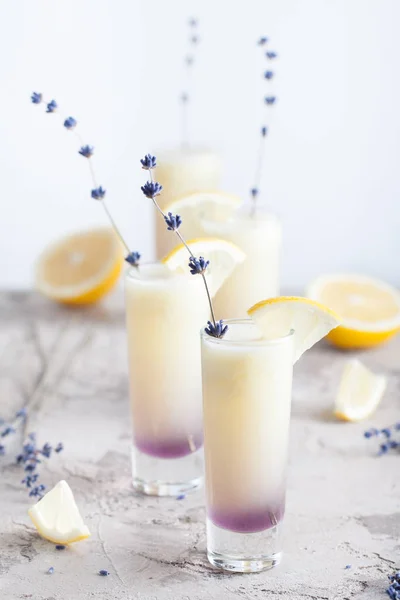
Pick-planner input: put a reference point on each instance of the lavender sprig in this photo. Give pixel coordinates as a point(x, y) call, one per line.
point(393, 591)
point(198, 266)
point(30, 456)
point(189, 61)
point(268, 101)
point(87, 151)
point(388, 437)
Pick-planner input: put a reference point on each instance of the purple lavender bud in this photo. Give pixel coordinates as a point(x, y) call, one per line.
point(151, 189)
point(98, 193)
point(270, 100)
point(51, 107)
point(264, 131)
point(50, 570)
point(262, 41)
point(7, 431)
point(218, 330)
point(198, 266)
point(59, 447)
point(173, 221)
point(271, 55)
point(60, 547)
point(148, 162)
point(21, 414)
point(36, 98)
point(194, 39)
point(46, 450)
point(103, 573)
point(268, 74)
point(86, 151)
point(133, 258)
point(193, 22)
point(70, 123)
point(254, 192)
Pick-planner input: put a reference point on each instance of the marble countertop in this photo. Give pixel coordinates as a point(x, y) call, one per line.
point(69, 368)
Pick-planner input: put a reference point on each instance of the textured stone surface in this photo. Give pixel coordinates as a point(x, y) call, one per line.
point(69, 368)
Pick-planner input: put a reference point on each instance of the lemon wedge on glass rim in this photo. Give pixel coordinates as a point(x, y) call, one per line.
point(57, 518)
point(223, 256)
point(309, 320)
point(80, 268)
point(369, 308)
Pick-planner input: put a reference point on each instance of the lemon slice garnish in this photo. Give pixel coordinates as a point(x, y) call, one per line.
point(223, 256)
point(309, 320)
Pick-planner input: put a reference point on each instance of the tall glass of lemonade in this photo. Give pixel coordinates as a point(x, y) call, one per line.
point(165, 310)
point(181, 172)
point(247, 384)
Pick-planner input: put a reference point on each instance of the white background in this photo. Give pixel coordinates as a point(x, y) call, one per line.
point(332, 165)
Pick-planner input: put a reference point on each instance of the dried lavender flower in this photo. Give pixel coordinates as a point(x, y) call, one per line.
point(70, 123)
point(36, 98)
point(148, 162)
point(86, 151)
point(151, 189)
point(98, 193)
point(51, 106)
point(198, 266)
point(103, 573)
point(133, 258)
point(173, 221)
point(268, 74)
point(217, 330)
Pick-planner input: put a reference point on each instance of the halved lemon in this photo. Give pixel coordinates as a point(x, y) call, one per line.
point(80, 268)
point(360, 392)
point(214, 206)
point(223, 256)
point(369, 309)
point(309, 320)
point(57, 518)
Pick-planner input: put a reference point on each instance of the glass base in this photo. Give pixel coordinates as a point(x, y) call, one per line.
point(166, 476)
point(243, 552)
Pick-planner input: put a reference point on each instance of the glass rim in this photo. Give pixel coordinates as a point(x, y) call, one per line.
point(261, 342)
point(265, 214)
point(133, 273)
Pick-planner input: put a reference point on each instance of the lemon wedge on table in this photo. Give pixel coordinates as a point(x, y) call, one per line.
point(216, 206)
point(309, 320)
point(360, 392)
point(57, 518)
point(80, 268)
point(223, 256)
point(369, 308)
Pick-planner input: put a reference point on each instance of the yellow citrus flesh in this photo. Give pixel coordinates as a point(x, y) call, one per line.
point(369, 309)
point(81, 268)
point(310, 321)
point(360, 392)
point(57, 518)
point(193, 208)
point(223, 256)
